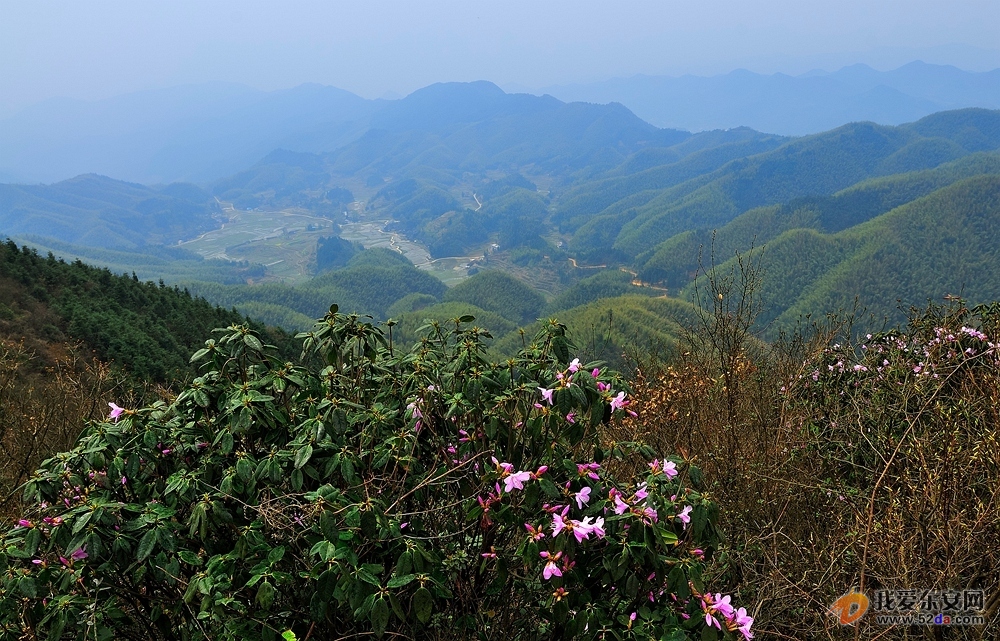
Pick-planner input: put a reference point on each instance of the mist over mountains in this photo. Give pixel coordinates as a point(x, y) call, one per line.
point(793, 105)
point(584, 209)
point(201, 133)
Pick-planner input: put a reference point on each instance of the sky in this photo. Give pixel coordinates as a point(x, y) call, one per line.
point(97, 49)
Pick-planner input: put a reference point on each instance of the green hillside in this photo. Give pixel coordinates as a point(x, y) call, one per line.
point(146, 328)
point(675, 260)
point(100, 212)
point(501, 294)
point(613, 329)
point(944, 244)
point(370, 283)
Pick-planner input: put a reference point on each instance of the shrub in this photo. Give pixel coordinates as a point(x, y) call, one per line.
point(427, 494)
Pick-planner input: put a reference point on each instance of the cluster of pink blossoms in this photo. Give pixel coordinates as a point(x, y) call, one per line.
point(736, 620)
point(565, 378)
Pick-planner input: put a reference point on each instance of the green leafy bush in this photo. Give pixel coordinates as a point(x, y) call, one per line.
point(427, 494)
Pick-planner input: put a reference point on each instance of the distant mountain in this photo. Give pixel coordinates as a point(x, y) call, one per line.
point(194, 133)
point(97, 211)
point(945, 243)
point(787, 105)
point(442, 133)
point(628, 217)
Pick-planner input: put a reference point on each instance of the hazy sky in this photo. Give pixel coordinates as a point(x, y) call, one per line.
point(98, 48)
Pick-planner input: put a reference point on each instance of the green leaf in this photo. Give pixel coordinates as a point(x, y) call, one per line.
point(288, 635)
point(265, 595)
point(26, 586)
point(422, 604)
point(303, 455)
point(404, 565)
point(275, 554)
point(697, 478)
point(82, 522)
point(328, 525)
point(31, 542)
point(400, 581)
point(189, 557)
point(369, 524)
point(632, 586)
point(55, 632)
point(397, 607)
point(380, 617)
point(146, 544)
point(253, 342)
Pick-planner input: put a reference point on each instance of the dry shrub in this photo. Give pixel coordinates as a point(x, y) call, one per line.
point(860, 478)
point(45, 401)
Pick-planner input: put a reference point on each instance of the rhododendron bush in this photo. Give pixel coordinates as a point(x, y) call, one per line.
point(369, 490)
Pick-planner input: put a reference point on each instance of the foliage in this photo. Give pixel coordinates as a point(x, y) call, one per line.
point(427, 494)
point(100, 212)
point(334, 251)
point(500, 293)
point(607, 283)
point(407, 331)
point(147, 328)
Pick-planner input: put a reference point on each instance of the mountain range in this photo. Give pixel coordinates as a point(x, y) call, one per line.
point(793, 105)
point(579, 210)
point(202, 133)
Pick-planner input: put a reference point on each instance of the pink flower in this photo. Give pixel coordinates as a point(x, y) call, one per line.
point(685, 515)
point(743, 621)
point(618, 402)
point(641, 493)
point(666, 467)
point(589, 470)
point(536, 534)
point(571, 418)
point(503, 469)
point(575, 365)
point(620, 506)
point(582, 497)
point(559, 524)
point(78, 554)
point(115, 411)
point(596, 528)
point(542, 469)
point(546, 394)
point(723, 606)
point(603, 387)
point(516, 480)
point(25, 523)
point(595, 373)
point(551, 568)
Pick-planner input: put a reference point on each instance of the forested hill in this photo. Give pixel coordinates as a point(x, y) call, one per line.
point(148, 329)
point(97, 211)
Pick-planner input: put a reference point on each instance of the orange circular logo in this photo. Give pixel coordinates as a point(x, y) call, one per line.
point(850, 607)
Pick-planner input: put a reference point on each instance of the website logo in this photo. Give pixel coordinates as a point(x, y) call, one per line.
point(912, 607)
point(850, 607)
